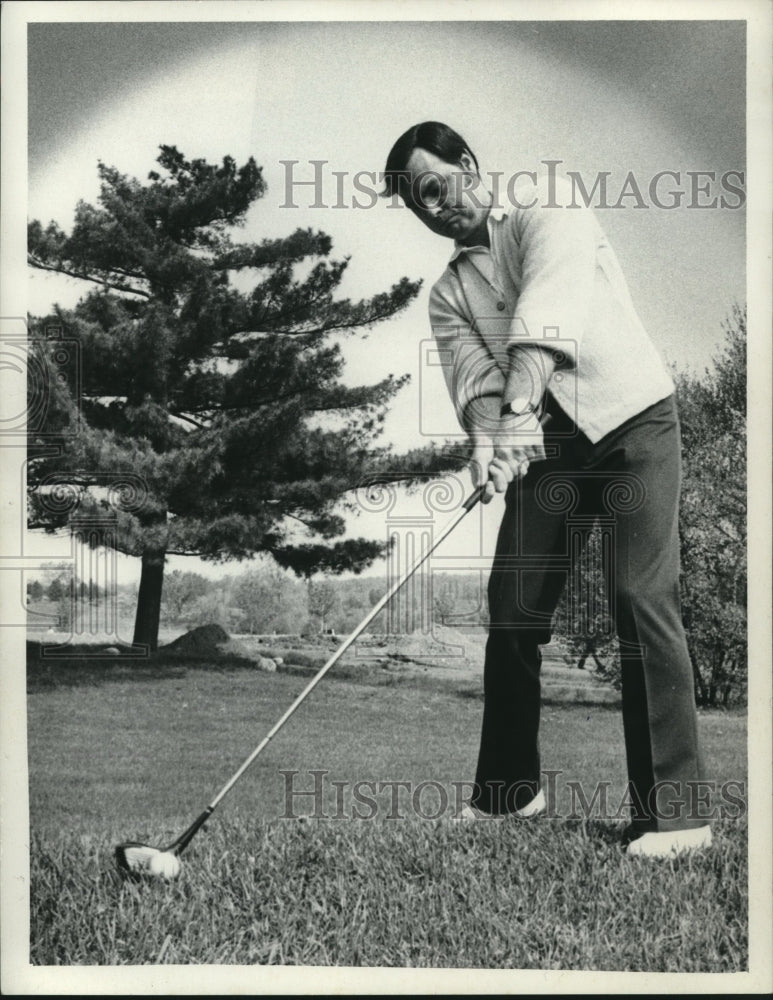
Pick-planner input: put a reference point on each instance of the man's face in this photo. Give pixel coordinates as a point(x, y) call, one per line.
point(449, 198)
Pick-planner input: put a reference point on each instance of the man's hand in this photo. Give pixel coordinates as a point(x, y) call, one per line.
point(504, 455)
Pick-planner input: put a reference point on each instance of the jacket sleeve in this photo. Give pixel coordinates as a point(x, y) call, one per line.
point(474, 379)
point(556, 250)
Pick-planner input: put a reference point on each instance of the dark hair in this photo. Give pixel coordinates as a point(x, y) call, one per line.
point(434, 137)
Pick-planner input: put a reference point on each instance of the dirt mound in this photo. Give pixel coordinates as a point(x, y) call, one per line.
point(212, 641)
point(457, 656)
point(443, 647)
point(204, 639)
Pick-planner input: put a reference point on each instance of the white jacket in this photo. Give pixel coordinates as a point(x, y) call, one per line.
point(550, 278)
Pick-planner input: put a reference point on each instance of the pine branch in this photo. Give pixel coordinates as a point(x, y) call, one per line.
point(296, 517)
point(190, 420)
point(59, 269)
point(338, 324)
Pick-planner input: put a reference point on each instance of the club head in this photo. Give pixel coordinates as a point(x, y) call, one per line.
point(135, 859)
point(138, 859)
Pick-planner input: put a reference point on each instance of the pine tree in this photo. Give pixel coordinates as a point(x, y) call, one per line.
point(222, 408)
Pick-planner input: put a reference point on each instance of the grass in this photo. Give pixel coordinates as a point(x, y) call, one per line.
point(118, 755)
point(538, 895)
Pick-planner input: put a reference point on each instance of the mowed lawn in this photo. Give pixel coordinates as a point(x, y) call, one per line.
point(114, 758)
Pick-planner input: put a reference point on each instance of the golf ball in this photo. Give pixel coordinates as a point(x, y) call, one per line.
point(164, 865)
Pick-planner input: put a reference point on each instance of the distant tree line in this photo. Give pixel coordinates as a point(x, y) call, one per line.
point(56, 594)
point(266, 599)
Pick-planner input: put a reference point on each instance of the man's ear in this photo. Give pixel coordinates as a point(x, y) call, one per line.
point(467, 162)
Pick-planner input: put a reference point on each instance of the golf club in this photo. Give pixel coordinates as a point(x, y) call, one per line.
point(137, 858)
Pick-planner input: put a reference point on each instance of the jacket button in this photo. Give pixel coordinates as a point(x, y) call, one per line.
point(500, 306)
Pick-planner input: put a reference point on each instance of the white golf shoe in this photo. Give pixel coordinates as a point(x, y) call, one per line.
point(533, 808)
point(670, 843)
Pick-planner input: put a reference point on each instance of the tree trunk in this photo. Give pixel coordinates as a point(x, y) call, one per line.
point(590, 650)
point(149, 600)
point(701, 695)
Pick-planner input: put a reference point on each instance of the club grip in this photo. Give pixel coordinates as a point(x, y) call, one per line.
point(474, 497)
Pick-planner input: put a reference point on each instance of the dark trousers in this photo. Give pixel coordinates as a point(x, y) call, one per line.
point(630, 480)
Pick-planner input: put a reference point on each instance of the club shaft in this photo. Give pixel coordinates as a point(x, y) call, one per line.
point(374, 611)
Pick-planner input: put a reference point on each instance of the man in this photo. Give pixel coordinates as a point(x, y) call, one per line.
point(570, 413)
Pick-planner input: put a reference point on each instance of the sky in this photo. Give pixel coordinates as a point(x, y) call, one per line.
point(607, 96)
point(628, 96)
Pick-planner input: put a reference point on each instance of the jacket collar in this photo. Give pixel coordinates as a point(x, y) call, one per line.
point(495, 217)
